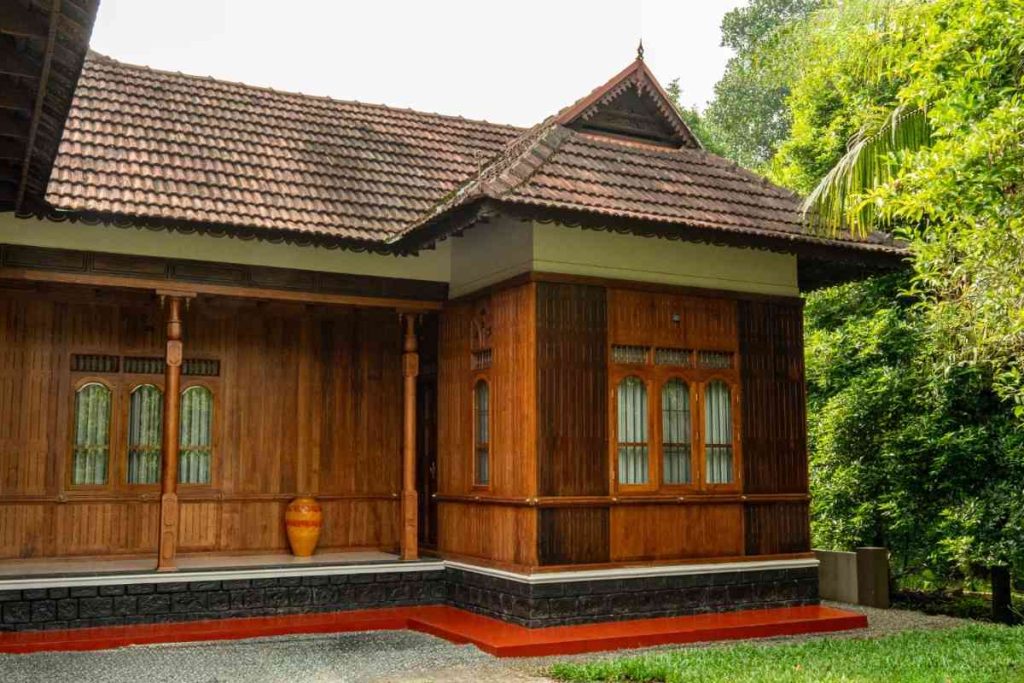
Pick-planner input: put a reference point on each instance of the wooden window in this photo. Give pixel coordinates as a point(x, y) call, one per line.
point(718, 429)
point(676, 427)
point(481, 433)
point(633, 448)
point(145, 434)
point(91, 459)
point(196, 445)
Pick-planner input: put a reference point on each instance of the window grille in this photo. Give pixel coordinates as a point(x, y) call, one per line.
point(718, 432)
point(481, 360)
point(144, 365)
point(714, 360)
point(482, 436)
point(93, 362)
point(196, 444)
point(200, 367)
point(629, 355)
point(145, 434)
point(681, 358)
point(675, 432)
point(632, 433)
point(92, 434)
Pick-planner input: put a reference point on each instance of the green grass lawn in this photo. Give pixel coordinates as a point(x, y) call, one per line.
point(984, 653)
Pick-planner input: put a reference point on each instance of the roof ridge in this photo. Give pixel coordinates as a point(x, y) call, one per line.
point(97, 56)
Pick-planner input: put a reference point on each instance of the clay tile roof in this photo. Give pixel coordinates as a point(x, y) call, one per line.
point(148, 145)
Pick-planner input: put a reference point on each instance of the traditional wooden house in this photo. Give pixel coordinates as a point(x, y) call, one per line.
point(551, 375)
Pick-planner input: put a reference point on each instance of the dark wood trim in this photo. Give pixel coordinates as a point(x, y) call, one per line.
point(624, 499)
point(43, 264)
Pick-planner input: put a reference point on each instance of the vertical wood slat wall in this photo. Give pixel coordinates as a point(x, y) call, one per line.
point(308, 400)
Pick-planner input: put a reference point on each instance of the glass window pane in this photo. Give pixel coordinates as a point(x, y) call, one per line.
point(675, 432)
point(482, 428)
point(92, 435)
point(632, 431)
point(718, 432)
point(196, 444)
point(145, 434)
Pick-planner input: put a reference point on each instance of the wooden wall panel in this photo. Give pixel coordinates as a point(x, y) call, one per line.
point(773, 396)
point(664, 532)
point(503, 322)
point(572, 390)
point(501, 534)
point(645, 318)
point(308, 401)
point(573, 535)
point(775, 528)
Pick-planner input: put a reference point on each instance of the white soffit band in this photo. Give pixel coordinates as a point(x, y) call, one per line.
point(120, 579)
point(189, 576)
point(637, 572)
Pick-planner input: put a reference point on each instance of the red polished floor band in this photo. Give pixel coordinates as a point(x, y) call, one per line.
point(496, 637)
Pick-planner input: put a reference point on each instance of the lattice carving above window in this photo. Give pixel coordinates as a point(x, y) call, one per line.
point(680, 358)
point(481, 360)
point(630, 355)
point(94, 362)
point(714, 360)
point(144, 365)
point(201, 367)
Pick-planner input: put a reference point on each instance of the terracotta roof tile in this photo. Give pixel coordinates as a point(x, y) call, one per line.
point(148, 144)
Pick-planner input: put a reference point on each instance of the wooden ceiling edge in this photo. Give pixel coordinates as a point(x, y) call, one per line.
point(41, 92)
point(161, 286)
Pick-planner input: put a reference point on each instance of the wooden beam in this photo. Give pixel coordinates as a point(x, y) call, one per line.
point(18, 20)
point(37, 112)
point(16, 63)
point(171, 437)
point(410, 500)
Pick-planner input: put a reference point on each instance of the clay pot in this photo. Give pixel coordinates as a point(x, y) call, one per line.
point(303, 519)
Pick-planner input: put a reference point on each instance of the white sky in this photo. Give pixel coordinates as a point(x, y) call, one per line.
point(515, 61)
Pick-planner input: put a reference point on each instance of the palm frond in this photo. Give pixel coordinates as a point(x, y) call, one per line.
point(871, 160)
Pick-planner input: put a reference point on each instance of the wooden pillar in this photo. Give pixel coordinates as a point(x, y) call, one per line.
point(171, 437)
point(410, 369)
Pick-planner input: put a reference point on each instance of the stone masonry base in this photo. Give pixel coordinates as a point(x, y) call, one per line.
point(528, 604)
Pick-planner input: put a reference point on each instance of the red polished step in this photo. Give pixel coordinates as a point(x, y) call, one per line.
point(459, 626)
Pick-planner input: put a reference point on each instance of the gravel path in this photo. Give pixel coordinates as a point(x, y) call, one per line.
point(356, 657)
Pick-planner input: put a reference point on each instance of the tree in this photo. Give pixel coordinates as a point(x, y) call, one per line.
point(908, 115)
point(748, 115)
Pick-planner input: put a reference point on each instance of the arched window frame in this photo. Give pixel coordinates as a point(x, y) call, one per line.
point(111, 435)
point(653, 466)
point(214, 423)
point(730, 380)
point(691, 392)
point(128, 436)
point(477, 444)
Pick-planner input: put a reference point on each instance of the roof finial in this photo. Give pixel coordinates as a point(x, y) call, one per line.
point(640, 50)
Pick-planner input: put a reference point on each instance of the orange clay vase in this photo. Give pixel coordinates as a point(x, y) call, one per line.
point(303, 519)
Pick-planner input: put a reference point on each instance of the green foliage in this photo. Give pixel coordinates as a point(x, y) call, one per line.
point(927, 463)
point(748, 116)
point(695, 121)
point(982, 654)
point(910, 114)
